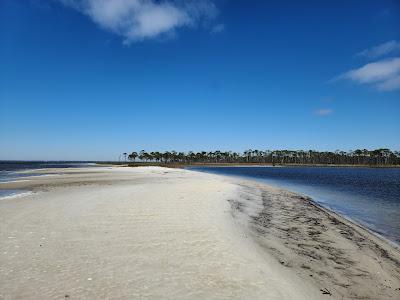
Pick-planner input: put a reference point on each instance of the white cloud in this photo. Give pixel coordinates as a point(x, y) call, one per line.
point(384, 74)
point(375, 71)
point(324, 112)
point(381, 50)
point(137, 20)
point(390, 84)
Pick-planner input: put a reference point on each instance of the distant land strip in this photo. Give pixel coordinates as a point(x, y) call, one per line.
point(374, 158)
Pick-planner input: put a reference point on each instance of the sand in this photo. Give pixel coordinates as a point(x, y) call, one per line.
point(157, 233)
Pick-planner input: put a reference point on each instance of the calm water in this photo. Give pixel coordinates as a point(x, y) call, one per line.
point(15, 171)
point(370, 196)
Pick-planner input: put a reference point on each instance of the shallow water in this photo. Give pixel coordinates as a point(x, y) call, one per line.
point(370, 196)
point(9, 193)
point(15, 171)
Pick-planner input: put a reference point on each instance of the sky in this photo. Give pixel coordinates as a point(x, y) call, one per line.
point(91, 79)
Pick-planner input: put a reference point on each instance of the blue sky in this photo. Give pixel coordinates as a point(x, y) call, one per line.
point(89, 79)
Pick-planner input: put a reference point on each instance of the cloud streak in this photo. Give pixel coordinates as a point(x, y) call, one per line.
point(137, 20)
point(384, 74)
point(323, 112)
point(381, 50)
point(218, 28)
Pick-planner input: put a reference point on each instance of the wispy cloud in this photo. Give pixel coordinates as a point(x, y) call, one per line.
point(323, 112)
point(381, 50)
point(384, 74)
point(137, 20)
point(390, 84)
point(218, 28)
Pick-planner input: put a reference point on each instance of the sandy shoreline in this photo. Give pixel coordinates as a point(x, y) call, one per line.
point(175, 234)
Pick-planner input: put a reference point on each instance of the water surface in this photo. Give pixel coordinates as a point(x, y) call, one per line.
point(11, 171)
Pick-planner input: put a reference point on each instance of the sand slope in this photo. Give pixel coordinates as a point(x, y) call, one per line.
point(341, 258)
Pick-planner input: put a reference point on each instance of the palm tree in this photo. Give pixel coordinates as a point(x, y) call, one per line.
point(166, 156)
point(132, 156)
point(247, 154)
point(143, 155)
point(157, 156)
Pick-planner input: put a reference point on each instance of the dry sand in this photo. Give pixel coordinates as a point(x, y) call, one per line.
point(157, 233)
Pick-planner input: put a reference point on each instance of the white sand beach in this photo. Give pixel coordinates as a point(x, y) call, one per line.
point(158, 233)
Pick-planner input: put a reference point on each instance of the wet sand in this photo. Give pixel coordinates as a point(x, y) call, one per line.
point(341, 258)
point(151, 233)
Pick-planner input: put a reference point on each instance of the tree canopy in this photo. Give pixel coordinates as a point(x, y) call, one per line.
point(356, 157)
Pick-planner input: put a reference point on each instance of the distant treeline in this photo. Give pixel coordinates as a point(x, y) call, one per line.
point(301, 157)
